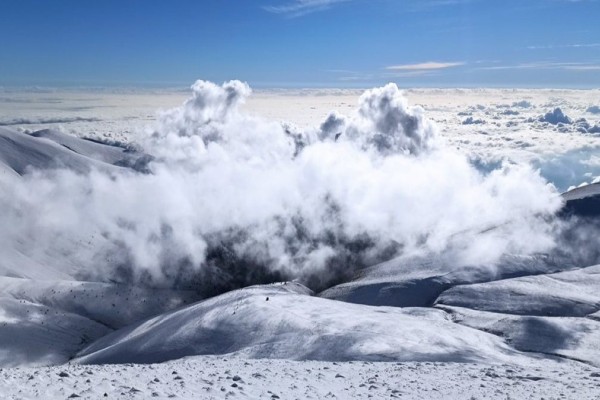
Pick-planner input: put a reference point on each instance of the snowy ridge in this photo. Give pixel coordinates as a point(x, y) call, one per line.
point(582, 192)
point(53, 149)
point(418, 281)
point(583, 200)
point(283, 321)
point(566, 337)
point(564, 294)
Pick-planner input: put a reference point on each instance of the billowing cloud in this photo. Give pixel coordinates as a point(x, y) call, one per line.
point(555, 117)
point(231, 199)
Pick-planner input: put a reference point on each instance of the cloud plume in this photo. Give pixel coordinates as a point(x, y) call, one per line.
point(231, 199)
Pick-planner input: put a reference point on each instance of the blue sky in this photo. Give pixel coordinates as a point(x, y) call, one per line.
point(301, 43)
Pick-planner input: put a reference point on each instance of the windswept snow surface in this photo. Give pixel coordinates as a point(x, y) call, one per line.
point(218, 377)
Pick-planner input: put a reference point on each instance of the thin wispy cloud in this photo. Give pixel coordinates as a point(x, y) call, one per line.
point(564, 46)
point(569, 66)
point(425, 5)
point(298, 8)
point(409, 74)
point(426, 66)
point(396, 71)
point(583, 67)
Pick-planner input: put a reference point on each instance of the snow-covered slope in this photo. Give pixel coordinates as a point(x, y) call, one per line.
point(584, 200)
point(110, 304)
point(284, 321)
point(568, 294)
point(417, 282)
point(110, 154)
point(14, 263)
point(582, 192)
point(32, 334)
point(20, 151)
point(568, 337)
point(48, 322)
point(51, 149)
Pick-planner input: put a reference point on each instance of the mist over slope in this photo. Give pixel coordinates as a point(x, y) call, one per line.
point(228, 199)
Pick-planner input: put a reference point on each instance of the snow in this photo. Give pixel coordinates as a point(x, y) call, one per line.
point(418, 281)
point(113, 305)
point(567, 337)
point(34, 335)
point(19, 151)
point(583, 200)
point(568, 294)
point(283, 321)
point(52, 149)
point(114, 154)
point(582, 192)
point(48, 322)
point(215, 377)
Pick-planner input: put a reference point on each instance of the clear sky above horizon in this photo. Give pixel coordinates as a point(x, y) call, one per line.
point(301, 43)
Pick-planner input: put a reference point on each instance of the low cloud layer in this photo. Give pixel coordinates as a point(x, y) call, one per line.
point(38, 121)
point(231, 199)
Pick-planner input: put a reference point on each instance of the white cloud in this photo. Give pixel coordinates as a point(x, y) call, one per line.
point(426, 66)
point(256, 197)
point(564, 46)
point(571, 66)
point(299, 8)
point(583, 67)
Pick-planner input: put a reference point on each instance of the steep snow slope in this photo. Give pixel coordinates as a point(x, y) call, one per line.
point(112, 305)
point(568, 294)
point(48, 322)
point(32, 334)
point(283, 321)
